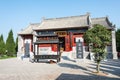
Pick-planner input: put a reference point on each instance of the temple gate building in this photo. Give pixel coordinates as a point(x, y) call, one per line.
point(68, 31)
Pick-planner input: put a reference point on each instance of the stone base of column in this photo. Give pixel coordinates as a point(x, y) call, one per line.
point(115, 55)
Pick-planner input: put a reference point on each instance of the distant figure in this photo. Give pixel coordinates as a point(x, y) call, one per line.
point(22, 56)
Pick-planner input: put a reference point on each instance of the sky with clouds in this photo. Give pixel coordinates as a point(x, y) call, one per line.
point(18, 14)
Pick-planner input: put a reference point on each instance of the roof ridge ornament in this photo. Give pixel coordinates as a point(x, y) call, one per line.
point(43, 18)
point(107, 16)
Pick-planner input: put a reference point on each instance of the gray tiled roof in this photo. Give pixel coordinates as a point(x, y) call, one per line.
point(102, 21)
point(29, 29)
point(65, 22)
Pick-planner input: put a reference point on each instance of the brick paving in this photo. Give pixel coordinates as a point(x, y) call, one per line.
point(15, 69)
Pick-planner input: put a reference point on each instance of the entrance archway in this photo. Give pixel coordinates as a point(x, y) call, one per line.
point(62, 43)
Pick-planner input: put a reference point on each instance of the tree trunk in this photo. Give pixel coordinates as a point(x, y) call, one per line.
point(98, 67)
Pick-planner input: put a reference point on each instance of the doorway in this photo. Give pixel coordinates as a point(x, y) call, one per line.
point(62, 43)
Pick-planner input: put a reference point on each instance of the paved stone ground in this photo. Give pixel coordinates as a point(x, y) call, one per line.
point(14, 69)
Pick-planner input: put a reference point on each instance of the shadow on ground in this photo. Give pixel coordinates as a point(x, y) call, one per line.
point(72, 66)
point(111, 66)
point(65, 76)
point(66, 58)
point(115, 63)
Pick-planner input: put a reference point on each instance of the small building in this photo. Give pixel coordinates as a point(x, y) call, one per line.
point(68, 30)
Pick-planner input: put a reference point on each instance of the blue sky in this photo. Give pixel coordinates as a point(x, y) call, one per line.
point(17, 14)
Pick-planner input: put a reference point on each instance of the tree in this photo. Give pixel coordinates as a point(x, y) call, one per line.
point(10, 44)
point(118, 40)
point(2, 45)
point(16, 45)
point(99, 37)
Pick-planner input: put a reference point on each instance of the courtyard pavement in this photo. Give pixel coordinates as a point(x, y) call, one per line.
point(15, 69)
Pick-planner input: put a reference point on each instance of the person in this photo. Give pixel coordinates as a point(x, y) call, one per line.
point(22, 56)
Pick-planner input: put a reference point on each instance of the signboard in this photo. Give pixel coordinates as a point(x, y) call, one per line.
point(44, 50)
point(27, 49)
point(61, 33)
point(79, 50)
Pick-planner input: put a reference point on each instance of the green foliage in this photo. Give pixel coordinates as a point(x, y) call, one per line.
point(10, 44)
point(16, 45)
point(118, 40)
point(2, 46)
point(99, 37)
point(6, 57)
